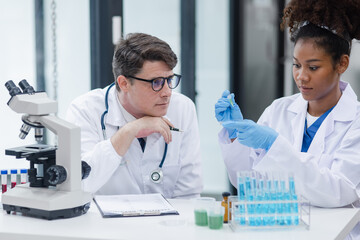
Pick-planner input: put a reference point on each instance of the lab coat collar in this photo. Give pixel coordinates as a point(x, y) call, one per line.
point(299, 108)
point(115, 116)
point(118, 116)
point(345, 110)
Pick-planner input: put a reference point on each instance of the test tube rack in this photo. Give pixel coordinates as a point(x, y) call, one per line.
point(267, 200)
point(278, 214)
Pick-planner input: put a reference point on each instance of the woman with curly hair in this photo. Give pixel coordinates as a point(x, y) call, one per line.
point(314, 134)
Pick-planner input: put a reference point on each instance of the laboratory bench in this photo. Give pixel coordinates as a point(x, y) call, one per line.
point(325, 224)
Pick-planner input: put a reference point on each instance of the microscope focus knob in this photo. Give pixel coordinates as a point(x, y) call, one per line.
point(85, 170)
point(56, 174)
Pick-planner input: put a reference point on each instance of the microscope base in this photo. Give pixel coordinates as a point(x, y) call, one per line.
point(45, 202)
point(49, 215)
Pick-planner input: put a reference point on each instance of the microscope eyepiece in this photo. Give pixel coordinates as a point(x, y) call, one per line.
point(12, 88)
point(26, 87)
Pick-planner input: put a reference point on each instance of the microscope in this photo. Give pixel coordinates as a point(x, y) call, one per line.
point(54, 188)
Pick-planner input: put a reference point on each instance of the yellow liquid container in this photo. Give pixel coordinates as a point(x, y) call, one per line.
point(225, 204)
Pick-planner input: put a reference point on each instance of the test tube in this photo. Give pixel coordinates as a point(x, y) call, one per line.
point(230, 100)
point(13, 177)
point(23, 176)
point(287, 200)
point(4, 180)
point(240, 209)
point(251, 198)
point(291, 184)
point(280, 206)
point(293, 197)
point(259, 197)
point(266, 196)
point(241, 185)
point(272, 186)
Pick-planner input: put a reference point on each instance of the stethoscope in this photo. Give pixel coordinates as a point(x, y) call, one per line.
point(156, 175)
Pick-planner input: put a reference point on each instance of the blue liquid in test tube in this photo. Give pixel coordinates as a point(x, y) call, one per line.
point(259, 199)
point(293, 196)
point(295, 210)
point(248, 199)
point(288, 212)
point(272, 198)
point(240, 210)
point(281, 204)
point(266, 200)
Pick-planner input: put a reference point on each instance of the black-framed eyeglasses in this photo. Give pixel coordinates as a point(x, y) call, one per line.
point(158, 83)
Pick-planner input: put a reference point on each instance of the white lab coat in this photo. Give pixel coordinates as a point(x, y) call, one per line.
point(130, 174)
point(328, 175)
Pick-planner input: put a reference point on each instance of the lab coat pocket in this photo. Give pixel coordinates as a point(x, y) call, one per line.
point(171, 175)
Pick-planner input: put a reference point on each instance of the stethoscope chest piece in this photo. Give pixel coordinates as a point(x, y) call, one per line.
point(156, 176)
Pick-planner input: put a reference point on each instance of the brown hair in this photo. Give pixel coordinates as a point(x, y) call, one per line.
point(131, 53)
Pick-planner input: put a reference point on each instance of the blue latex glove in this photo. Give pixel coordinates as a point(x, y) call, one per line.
point(252, 134)
point(227, 110)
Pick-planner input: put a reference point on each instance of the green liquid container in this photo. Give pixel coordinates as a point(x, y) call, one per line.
point(216, 221)
point(201, 218)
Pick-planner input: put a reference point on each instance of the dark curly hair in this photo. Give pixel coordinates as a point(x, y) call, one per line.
point(331, 23)
point(131, 53)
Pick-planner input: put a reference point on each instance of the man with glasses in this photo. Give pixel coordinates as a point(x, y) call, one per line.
point(127, 131)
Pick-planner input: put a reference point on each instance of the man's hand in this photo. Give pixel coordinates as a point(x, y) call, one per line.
point(140, 128)
point(149, 125)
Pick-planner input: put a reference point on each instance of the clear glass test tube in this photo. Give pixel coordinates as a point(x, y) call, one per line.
point(23, 176)
point(13, 177)
point(4, 180)
point(241, 185)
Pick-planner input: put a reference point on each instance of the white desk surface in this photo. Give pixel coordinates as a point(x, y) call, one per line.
point(325, 224)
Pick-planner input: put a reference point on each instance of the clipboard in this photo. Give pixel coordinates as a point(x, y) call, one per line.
point(133, 205)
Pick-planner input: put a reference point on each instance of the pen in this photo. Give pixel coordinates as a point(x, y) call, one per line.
point(175, 129)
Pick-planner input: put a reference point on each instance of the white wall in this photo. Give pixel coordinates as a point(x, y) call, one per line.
point(17, 61)
point(212, 78)
point(160, 18)
point(73, 52)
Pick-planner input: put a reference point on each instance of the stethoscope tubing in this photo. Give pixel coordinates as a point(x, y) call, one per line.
point(106, 111)
point(103, 127)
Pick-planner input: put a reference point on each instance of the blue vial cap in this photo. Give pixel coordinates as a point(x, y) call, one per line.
point(23, 171)
point(4, 171)
point(13, 171)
